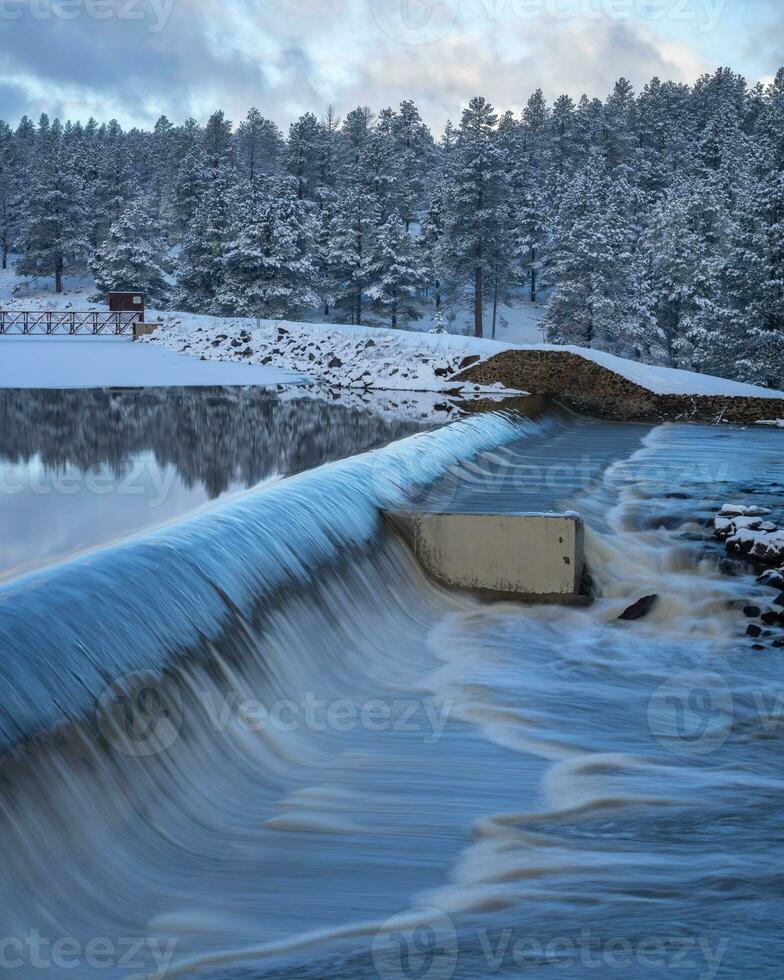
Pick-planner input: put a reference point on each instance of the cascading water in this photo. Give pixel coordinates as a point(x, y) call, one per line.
point(261, 743)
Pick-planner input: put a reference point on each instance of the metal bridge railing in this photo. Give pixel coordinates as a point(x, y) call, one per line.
point(66, 322)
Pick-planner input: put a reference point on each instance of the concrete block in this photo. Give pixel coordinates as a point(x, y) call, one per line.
point(141, 328)
point(537, 557)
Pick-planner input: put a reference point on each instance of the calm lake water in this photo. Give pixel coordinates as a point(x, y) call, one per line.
point(83, 468)
point(282, 752)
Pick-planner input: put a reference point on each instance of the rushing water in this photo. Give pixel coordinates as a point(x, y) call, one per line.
point(307, 760)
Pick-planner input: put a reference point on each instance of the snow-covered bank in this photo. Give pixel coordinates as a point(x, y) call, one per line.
point(399, 360)
point(117, 362)
point(339, 356)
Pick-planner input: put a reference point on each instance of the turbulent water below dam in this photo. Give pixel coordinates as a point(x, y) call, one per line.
point(257, 742)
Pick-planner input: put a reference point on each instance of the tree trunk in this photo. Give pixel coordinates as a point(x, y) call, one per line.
point(533, 275)
point(58, 276)
point(478, 329)
point(495, 302)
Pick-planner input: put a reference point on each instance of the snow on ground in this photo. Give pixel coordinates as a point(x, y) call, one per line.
point(396, 360)
point(20, 293)
point(118, 362)
point(380, 358)
point(340, 356)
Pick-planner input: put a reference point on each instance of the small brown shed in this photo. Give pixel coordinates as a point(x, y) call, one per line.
point(127, 303)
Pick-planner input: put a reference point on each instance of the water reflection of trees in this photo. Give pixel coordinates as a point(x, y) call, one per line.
point(213, 437)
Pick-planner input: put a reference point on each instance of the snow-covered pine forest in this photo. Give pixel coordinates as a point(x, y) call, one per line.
point(651, 223)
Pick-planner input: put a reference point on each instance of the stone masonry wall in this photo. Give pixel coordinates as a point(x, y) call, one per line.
point(590, 388)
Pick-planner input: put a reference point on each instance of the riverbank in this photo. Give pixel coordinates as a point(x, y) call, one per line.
point(375, 359)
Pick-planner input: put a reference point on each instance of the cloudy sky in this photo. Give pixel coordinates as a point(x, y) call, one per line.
point(137, 59)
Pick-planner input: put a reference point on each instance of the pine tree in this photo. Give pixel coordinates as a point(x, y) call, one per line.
point(413, 154)
point(268, 266)
point(115, 184)
point(473, 199)
point(54, 234)
point(200, 269)
point(349, 254)
point(132, 258)
point(305, 155)
point(10, 179)
point(394, 276)
point(259, 146)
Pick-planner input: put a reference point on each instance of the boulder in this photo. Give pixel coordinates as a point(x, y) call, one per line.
point(639, 609)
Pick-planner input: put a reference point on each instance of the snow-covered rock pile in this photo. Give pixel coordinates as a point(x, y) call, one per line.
point(747, 534)
point(340, 357)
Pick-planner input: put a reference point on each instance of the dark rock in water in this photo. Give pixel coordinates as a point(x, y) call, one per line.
point(753, 630)
point(774, 578)
point(779, 600)
point(758, 646)
point(752, 611)
point(769, 618)
point(728, 566)
point(640, 609)
point(779, 642)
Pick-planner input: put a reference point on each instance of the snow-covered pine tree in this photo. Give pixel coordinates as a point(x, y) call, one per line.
point(474, 193)
point(132, 257)
point(305, 155)
point(580, 252)
point(428, 245)
point(54, 233)
point(200, 266)
point(751, 342)
point(268, 265)
point(188, 189)
point(394, 276)
point(259, 146)
point(349, 251)
point(218, 142)
point(413, 154)
point(10, 178)
point(115, 182)
point(439, 323)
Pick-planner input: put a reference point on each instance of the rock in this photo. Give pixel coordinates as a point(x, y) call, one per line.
point(468, 361)
point(739, 510)
point(779, 643)
point(773, 577)
point(335, 362)
point(752, 611)
point(728, 566)
point(752, 630)
point(639, 609)
point(441, 372)
point(779, 600)
point(769, 618)
point(758, 646)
